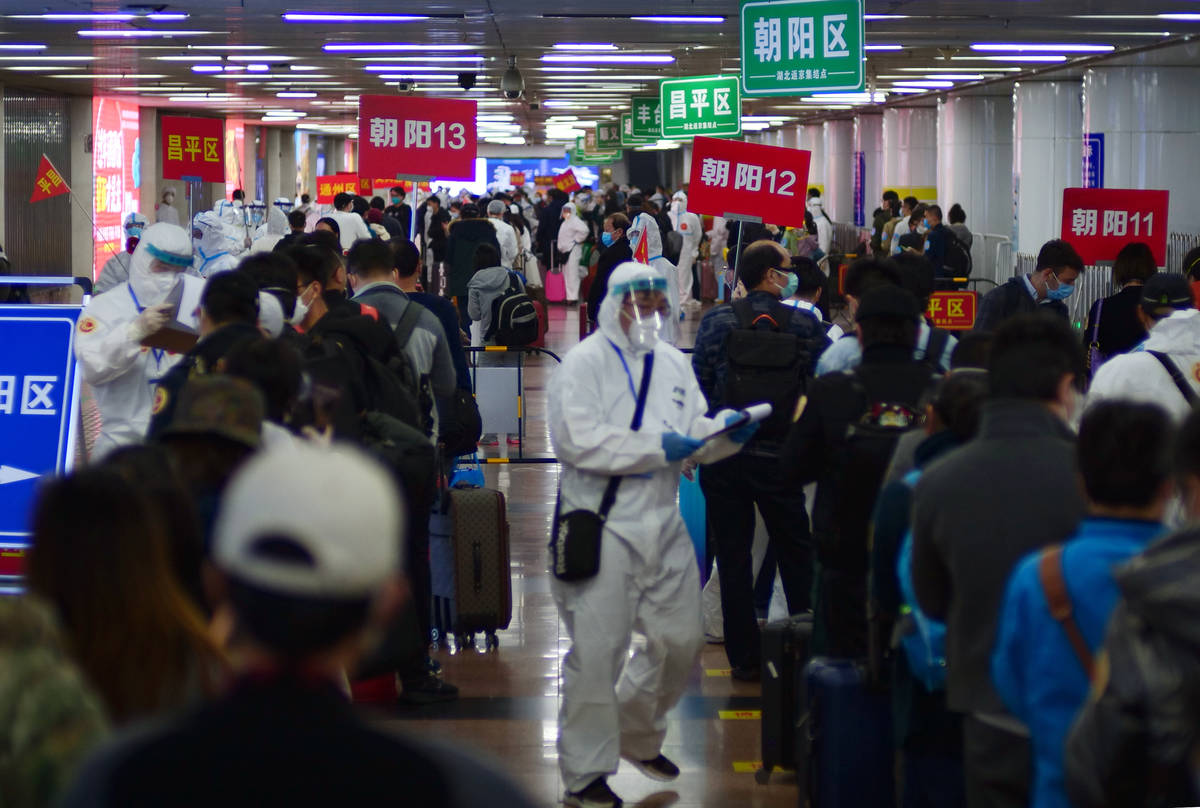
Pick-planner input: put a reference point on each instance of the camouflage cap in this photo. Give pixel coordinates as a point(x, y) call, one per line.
point(1165, 292)
point(219, 405)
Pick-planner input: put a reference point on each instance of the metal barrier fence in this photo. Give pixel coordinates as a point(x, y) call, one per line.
point(991, 257)
point(1096, 281)
point(847, 238)
point(519, 403)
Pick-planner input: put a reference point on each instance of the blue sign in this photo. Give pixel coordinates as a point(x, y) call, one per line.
point(499, 169)
point(1093, 160)
point(39, 385)
point(860, 189)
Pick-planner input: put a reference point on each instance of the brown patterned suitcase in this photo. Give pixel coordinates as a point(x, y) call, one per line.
point(482, 580)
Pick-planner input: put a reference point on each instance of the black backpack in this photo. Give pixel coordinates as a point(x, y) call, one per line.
point(767, 364)
point(514, 318)
point(957, 258)
point(673, 246)
point(374, 385)
point(406, 371)
point(862, 462)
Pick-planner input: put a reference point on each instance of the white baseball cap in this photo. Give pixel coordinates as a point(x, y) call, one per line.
point(338, 505)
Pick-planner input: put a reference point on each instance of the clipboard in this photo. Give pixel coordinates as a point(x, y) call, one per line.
point(750, 415)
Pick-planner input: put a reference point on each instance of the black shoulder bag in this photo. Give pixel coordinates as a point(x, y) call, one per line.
point(575, 541)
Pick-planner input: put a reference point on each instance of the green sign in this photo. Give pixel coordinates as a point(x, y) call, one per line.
point(627, 138)
point(801, 46)
point(608, 135)
point(647, 117)
point(703, 105)
point(583, 155)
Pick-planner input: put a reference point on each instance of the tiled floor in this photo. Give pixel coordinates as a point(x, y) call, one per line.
point(509, 699)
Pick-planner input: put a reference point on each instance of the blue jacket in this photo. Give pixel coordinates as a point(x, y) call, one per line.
point(1034, 667)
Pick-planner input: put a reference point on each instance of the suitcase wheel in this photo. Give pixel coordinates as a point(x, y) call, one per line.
point(491, 641)
point(464, 642)
point(762, 776)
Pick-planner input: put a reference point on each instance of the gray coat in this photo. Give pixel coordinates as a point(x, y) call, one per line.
point(976, 513)
point(427, 348)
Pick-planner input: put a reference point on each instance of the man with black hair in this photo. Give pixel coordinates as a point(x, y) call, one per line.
point(275, 274)
point(486, 286)
point(399, 210)
point(390, 224)
point(308, 576)
point(371, 270)
point(734, 487)
point(876, 402)
point(1042, 663)
point(1164, 370)
point(407, 261)
point(911, 272)
point(978, 512)
point(810, 283)
point(297, 222)
point(888, 209)
point(351, 226)
point(1045, 289)
point(900, 228)
point(228, 317)
point(936, 235)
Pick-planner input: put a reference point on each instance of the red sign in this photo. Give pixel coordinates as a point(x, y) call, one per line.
point(953, 311)
point(416, 137)
point(235, 155)
point(48, 182)
point(566, 181)
point(1098, 222)
point(543, 181)
point(191, 147)
point(330, 186)
point(730, 177)
point(115, 131)
point(517, 178)
point(12, 561)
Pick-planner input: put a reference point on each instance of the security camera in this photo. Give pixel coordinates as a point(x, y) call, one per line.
point(405, 86)
point(535, 105)
point(466, 80)
point(511, 83)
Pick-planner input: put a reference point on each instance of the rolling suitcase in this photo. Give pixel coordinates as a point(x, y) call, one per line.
point(851, 736)
point(708, 280)
point(556, 287)
point(543, 325)
point(480, 564)
point(785, 651)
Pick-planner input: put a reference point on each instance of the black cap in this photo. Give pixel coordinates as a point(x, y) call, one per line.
point(1166, 290)
point(888, 300)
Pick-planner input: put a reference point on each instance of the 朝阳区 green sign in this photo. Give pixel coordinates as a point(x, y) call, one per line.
point(801, 46)
point(647, 117)
point(702, 105)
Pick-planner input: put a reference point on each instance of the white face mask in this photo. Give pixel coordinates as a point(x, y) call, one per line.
point(300, 312)
point(163, 283)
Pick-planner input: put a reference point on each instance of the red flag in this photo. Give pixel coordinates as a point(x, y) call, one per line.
point(641, 253)
point(48, 182)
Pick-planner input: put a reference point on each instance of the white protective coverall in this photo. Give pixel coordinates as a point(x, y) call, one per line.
point(215, 247)
point(116, 268)
point(1138, 376)
point(122, 372)
point(816, 206)
point(165, 211)
point(645, 225)
point(690, 227)
point(507, 238)
point(236, 216)
point(270, 232)
point(571, 234)
point(614, 704)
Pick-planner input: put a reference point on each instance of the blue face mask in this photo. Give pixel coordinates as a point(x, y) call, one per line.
point(133, 232)
point(606, 239)
point(1063, 291)
point(792, 283)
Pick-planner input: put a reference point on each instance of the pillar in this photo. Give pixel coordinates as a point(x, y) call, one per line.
point(1151, 132)
point(79, 110)
point(334, 154)
point(910, 149)
point(789, 137)
point(839, 170)
point(151, 145)
point(975, 169)
point(288, 166)
point(1047, 149)
point(868, 166)
point(271, 164)
point(812, 138)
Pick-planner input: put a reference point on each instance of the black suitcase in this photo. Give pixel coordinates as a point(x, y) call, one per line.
point(785, 651)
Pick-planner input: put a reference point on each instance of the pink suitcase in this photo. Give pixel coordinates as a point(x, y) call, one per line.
point(556, 287)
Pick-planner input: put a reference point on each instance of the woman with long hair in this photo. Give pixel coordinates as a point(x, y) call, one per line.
point(100, 557)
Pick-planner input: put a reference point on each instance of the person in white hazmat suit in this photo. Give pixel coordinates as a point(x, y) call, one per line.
point(165, 211)
point(116, 268)
point(270, 232)
point(614, 705)
point(645, 226)
point(571, 234)
point(214, 245)
point(108, 337)
point(691, 228)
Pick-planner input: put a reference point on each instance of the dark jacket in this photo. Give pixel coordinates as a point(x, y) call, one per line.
point(549, 220)
point(201, 360)
point(1010, 299)
point(1120, 329)
point(612, 257)
point(918, 715)
point(284, 741)
point(402, 214)
point(812, 450)
point(447, 315)
point(935, 246)
point(466, 235)
point(1132, 742)
point(977, 513)
point(392, 226)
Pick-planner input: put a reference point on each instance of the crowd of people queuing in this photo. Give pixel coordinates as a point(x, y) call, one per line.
point(1000, 525)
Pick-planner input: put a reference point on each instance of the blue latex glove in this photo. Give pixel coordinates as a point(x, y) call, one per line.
point(677, 446)
point(744, 434)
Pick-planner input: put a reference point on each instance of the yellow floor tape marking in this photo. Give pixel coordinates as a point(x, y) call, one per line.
point(726, 672)
point(747, 766)
point(740, 715)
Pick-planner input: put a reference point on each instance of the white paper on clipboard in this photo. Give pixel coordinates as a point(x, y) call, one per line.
point(751, 415)
point(188, 314)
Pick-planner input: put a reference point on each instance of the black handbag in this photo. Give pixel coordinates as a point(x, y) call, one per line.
point(575, 540)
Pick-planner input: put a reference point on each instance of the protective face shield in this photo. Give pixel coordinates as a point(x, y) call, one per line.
point(257, 212)
point(135, 223)
point(163, 252)
point(209, 230)
point(284, 204)
point(568, 210)
point(637, 311)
